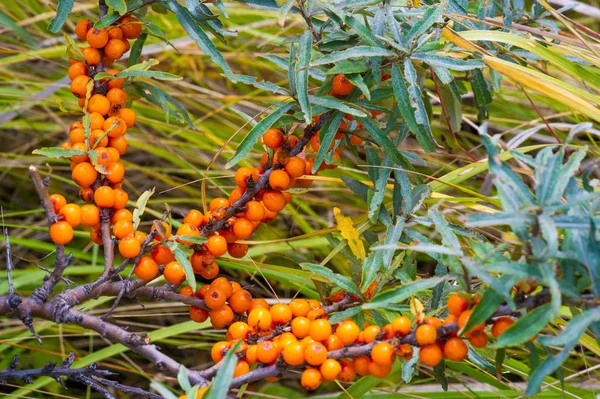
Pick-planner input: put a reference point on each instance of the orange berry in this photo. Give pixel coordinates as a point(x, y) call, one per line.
point(121, 198)
point(341, 86)
point(214, 298)
point(129, 247)
point(259, 303)
point(193, 217)
point(281, 313)
point(243, 228)
point(161, 254)
point(115, 49)
point(315, 353)
point(117, 96)
point(241, 177)
point(330, 369)
point(273, 138)
point(299, 307)
point(58, 201)
point(210, 271)
point(238, 330)
point(457, 304)
point(114, 32)
point(218, 351)
point(383, 354)
point(174, 273)
point(82, 28)
point(433, 321)
point(61, 233)
point(301, 327)
point(122, 214)
point(320, 329)
point(500, 325)
point(241, 368)
point(97, 38)
point(122, 229)
point(187, 291)
point(118, 143)
point(401, 325)
point(119, 127)
point(77, 69)
point(197, 314)
point(71, 213)
point(379, 370)
point(279, 180)
point(451, 319)
point(260, 318)
point(478, 339)
point(295, 167)
point(370, 333)
point(293, 354)
point(128, 115)
point(273, 200)
point(187, 230)
point(361, 365)
point(237, 250)
point(115, 172)
point(455, 349)
point(266, 352)
point(90, 215)
point(79, 86)
point(355, 140)
point(217, 245)
point(311, 379)
point(347, 373)
point(430, 355)
point(84, 174)
point(333, 343)
point(104, 196)
point(221, 318)
point(405, 351)
point(91, 55)
point(426, 334)
point(240, 301)
point(218, 203)
point(255, 211)
point(224, 285)
point(463, 319)
point(251, 356)
point(146, 268)
point(315, 314)
point(348, 332)
point(131, 27)
point(99, 103)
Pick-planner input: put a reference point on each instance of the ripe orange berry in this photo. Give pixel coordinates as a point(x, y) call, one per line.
point(146, 268)
point(119, 127)
point(221, 318)
point(121, 198)
point(104, 196)
point(241, 368)
point(330, 369)
point(455, 349)
point(370, 333)
point(129, 247)
point(71, 213)
point(478, 339)
point(361, 365)
point(405, 351)
point(401, 325)
point(91, 55)
point(117, 96)
point(210, 271)
point(426, 334)
point(186, 291)
point(115, 49)
point(293, 354)
point(457, 304)
point(90, 215)
point(320, 329)
point(243, 228)
point(99, 103)
point(115, 172)
point(58, 201)
point(279, 180)
point(333, 343)
point(451, 319)
point(347, 373)
point(315, 314)
point(238, 330)
point(259, 303)
point(187, 230)
point(214, 298)
point(131, 27)
point(430, 355)
point(315, 353)
point(128, 115)
point(77, 69)
point(379, 370)
point(82, 28)
point(114, 32)
point(255, 211)
point(122, 229)
point(218, 203)
point(217, 245)
point(260, 318)
point(463, 319)
point(224, 285)
point(140, 236)
point(97, 38)
point(433, 321)
point(193, 217)
point(311, 379)
point(348, 332)
point(79, 86)
point(355, 140)
point(118, 143)
point(273, 200)
point(241, 176)
point(240, 301)
point(84, 174)
point(218, 351)
point(237, 250)
point(281, 313)
point(86, 194)
point(383, 354)
point(273, 138)
point(295, 167)
point(161, 254)
point(199, 315)
point(174, 273)
point(299, 307)
point(266, 352)
point(341, 86)
point(122, 214)
point(500, 325)
point(301, 326)
point(61, 233)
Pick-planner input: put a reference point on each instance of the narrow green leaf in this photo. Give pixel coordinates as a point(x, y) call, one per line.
point(341, 281)
point(163, 390)
point(118, 5)
point(354, 52)
point(183, 379)
point(326, 136)
point(302, 66)
point(62, 12)
point(257, 131)
point(383, 141)
point(430, 17)
point(335, 104)
point(57, 152)
point(526, 327)
point(140, 207)
point(403, 293)
point(455, 64)
point(357, 80)
point(220, 384)
point(263, 84)
point(183, 260)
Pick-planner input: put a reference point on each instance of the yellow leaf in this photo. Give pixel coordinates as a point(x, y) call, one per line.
point(416, 308)
point(346, 227)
